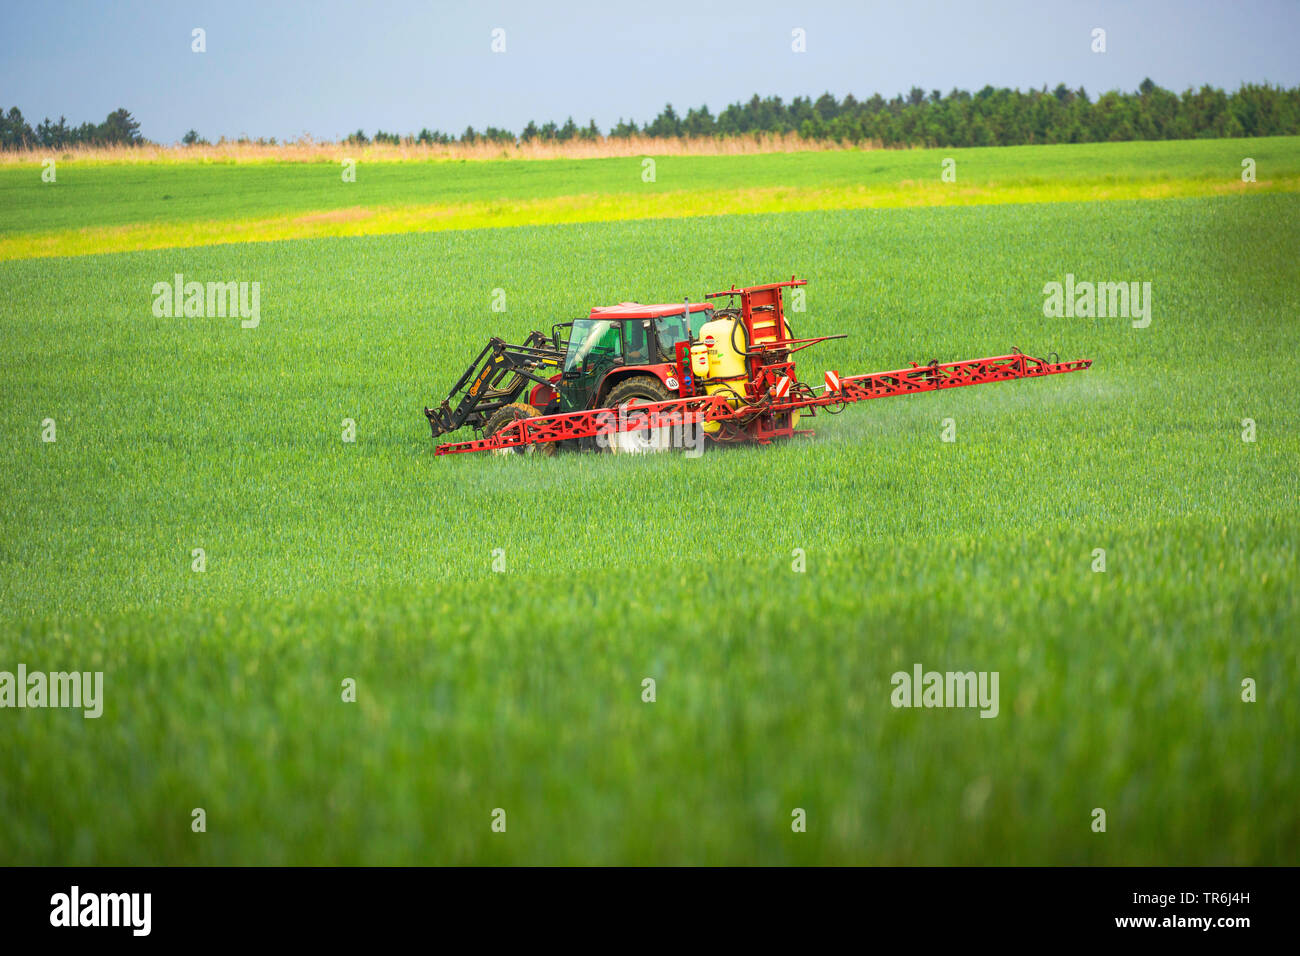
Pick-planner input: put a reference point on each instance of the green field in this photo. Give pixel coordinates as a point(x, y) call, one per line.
point(522, 690)
point(96, 208)
point(102, 195)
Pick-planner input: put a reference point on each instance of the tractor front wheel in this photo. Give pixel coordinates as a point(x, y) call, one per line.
point(508, 415)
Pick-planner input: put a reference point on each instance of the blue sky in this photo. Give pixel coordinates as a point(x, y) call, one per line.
point(326, 68)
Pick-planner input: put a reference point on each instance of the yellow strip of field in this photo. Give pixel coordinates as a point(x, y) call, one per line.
point(384, 220)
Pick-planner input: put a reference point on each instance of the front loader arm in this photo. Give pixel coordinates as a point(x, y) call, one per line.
point(495, 378)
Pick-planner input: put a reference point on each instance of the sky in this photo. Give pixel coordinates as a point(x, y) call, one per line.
point(326, 68)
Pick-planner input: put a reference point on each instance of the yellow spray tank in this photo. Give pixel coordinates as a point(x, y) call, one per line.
point(726, 369)
point(724, 342)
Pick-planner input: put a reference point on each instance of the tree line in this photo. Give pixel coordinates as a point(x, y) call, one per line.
point(989, 117)
point(118, 129)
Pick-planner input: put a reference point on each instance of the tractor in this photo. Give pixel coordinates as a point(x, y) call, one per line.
point(619, 354)
point(634, 377)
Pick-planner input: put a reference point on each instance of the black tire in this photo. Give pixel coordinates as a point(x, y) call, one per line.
point(641, 388)
point(509, 414)
point(644, 388)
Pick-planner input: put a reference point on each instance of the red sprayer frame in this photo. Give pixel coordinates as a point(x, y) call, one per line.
point(772, 391)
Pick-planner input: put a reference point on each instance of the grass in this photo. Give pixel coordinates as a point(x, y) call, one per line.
point(386, 220)
point(96, 208)
point(522, 690)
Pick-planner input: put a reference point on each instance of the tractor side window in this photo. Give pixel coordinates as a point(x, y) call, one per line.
point(638, 348)
point(671, 329)
point(698, 319)
point(611, 340)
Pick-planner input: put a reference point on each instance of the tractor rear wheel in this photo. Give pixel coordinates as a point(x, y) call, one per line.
point(508, 415)
point(642, 389)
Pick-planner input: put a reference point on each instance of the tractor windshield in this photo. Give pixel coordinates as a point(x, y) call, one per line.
point(593, 338)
